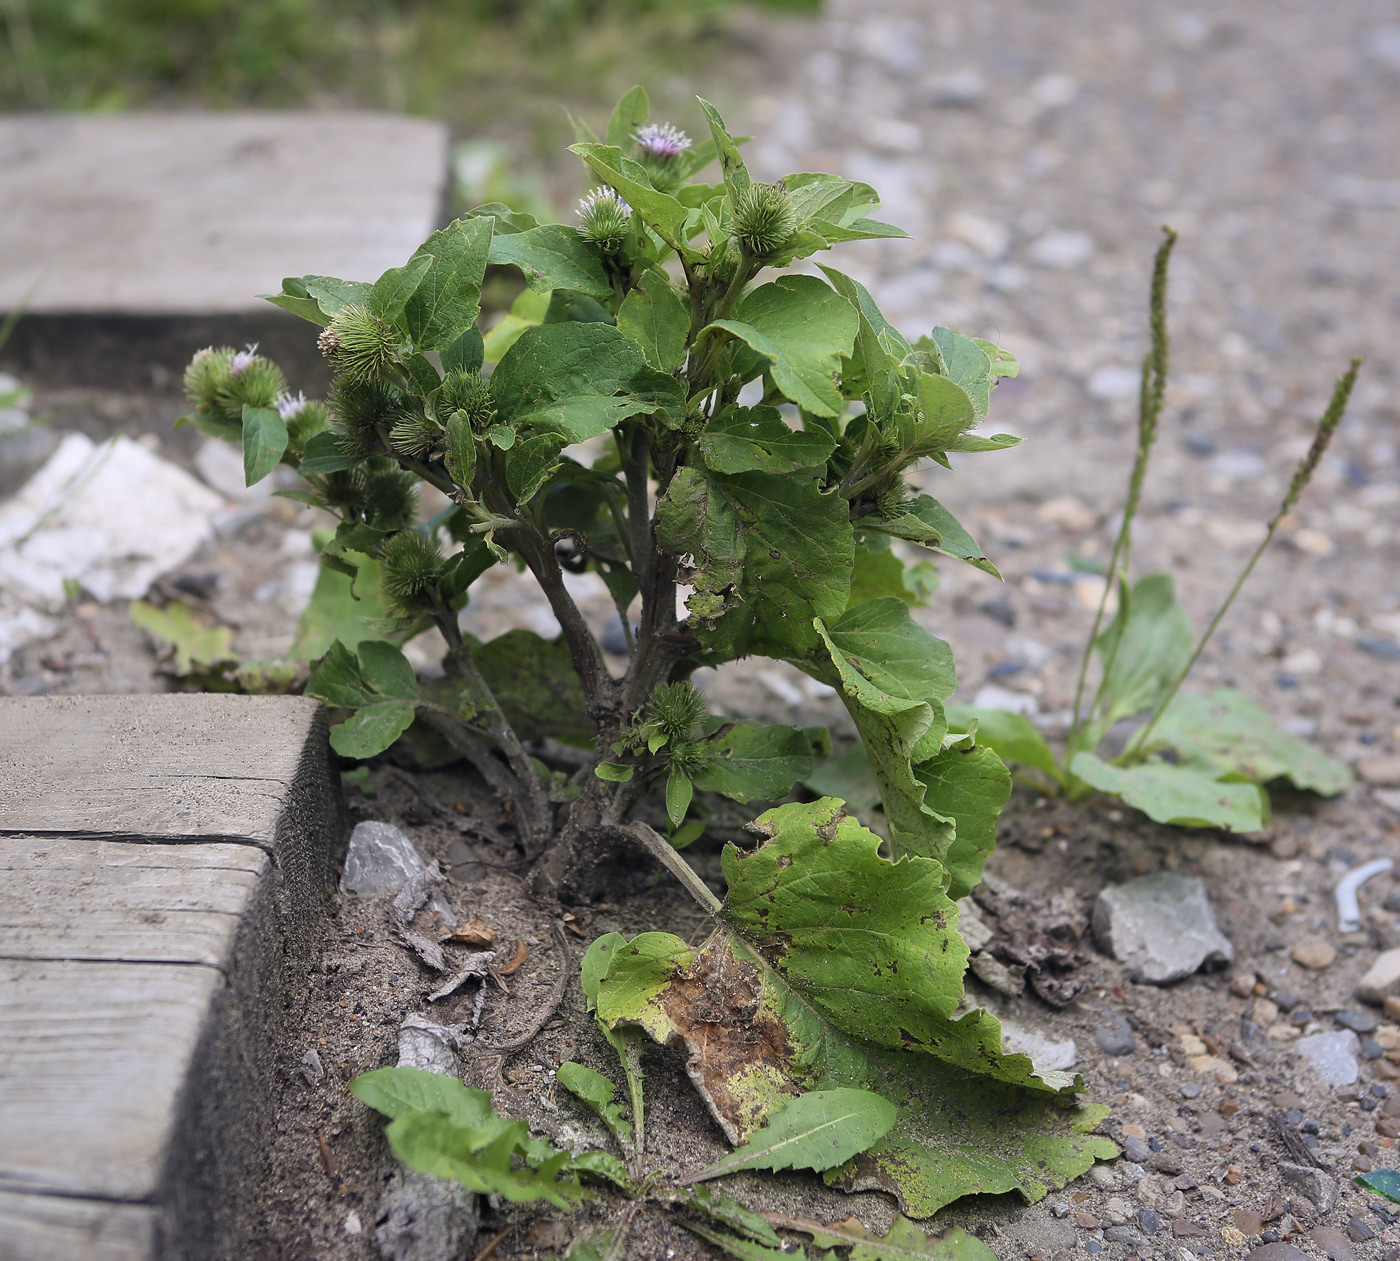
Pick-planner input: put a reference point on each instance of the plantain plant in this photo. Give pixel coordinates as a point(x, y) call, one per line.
point(669, 406)
point(1190, 760)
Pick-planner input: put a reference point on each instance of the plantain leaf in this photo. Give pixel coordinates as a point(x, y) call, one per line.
point(600, 1095)
point(903, 1242)
point(1180, 795)
point(818, 1131)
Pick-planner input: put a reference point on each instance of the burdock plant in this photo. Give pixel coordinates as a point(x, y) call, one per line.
point(661, 409)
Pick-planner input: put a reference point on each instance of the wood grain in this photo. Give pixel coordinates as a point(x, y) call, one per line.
point(56, 1228)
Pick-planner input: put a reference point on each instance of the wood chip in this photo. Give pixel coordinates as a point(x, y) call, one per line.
point(472, 933)
point(522, 952)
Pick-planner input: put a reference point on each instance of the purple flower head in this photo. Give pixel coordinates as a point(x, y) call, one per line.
point(242, 361)
point(604, 199)
point(289, 405)
point(661, 140)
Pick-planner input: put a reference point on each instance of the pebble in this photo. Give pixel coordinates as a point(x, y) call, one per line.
point(1359, 1231)
point(1212, 1123)
point(1385, 649)
point(1315, 953)
point(1358, 1021)
point(1120, 1234)
point(1332, 1056)
point(1136, 1150)
point(1277, 1252)
point(1161, 927)
point(1149, 1222)
point(1248, 1221)
point(1333, 1243)
point(1086, 1221)
point(1115, 1036)
point(1392, 1007)
point(1187, 1230)
point(1191, 1090)
point(1319, 1187)
point(1384, 772)
point(1382, 980)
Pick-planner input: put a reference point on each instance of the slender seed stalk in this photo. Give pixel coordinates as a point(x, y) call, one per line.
point(1151, 394)
point(1302, 475)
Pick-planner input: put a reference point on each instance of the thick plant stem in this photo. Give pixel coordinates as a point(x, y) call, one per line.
point(1327, 426)
point(669, 857)
point(1152, 392)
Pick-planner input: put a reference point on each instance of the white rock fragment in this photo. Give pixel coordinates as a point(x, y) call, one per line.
point(1049, 1055)
point(112, 518)
point(1161, 927)
point(380, 859)
point(1382, 979)
point(1332, 1056)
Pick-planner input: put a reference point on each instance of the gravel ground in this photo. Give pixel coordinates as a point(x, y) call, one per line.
point(1033, 151)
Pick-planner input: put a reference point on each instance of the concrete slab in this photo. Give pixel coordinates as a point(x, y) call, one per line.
point(162, 859)
point(186, 213)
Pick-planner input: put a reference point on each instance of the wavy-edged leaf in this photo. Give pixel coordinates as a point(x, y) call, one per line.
point(192, 643)
point(728, 1211)
point(1179, 795)
point(553, 256)
point(322, 454)
point(389, 295)
point(538, 689)
point(395, 1092)
point(444, 303)
point(902, 1242)
point(1230, 732)
point(817, 1131)
point(329, 295)
point(579, 380)
point(925, 521)
point(751, 762)
point(846, 971)
point(757, 439)
point(657, 318)
point(970, 786)
point(372, 729)
point(803, 328)
point(731, 161)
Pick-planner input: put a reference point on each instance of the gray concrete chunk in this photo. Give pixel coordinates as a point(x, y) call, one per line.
point(148, 214)
point(1161, 926)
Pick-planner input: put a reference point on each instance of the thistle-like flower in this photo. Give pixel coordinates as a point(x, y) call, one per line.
point(676, 708)
point(603, 219)
point(289, 406)
point(239, 363)
point(662, 140)
point(468, 393)
point(416, 435)
point(764, 219)
point(358, 344)
point(409, 565)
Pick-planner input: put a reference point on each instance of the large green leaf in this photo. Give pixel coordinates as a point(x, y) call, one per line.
point(803, 328)
point(378, 684)
point(342, 608)
point(968, 364)
point(193, 643)
point(446, 300)
point(751, 762)
point(319, 298)
point(1145, 647)
point(1180, 795)
point(736, 174)
point(817, 1131)
point(757, 439)
point(661, 212)
point(1013, 736)
point(1230, 732)
point(627, 1041)
point(578, 380)
point(396, 1092)
point(553, 256)
point(389, 295)
point(628, 115)
point(696, 518)
point(372, 729)
point(264, 440)
point(843, 970)
point(970, 786)
point(657, 318)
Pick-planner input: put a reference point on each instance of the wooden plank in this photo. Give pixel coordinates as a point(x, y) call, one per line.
point(76, 898)
point(58, 1228)
point(93, 1057)
point(162, 767)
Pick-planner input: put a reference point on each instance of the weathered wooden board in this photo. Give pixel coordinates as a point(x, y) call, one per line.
point(163, 860)
point(162, 767)
point(93, 1057)
point(76, 898)
point(56, 1228)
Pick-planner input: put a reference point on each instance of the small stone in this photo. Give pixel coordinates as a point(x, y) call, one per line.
point(1384, 772)
point(1276, 1251)
point(1191, 1090)
point(1333, 1243)
point(992, 971)
point(1161, 927)
point(1117, 1211)
point(1148, 1221)
point(1371, 1049)
point(1358, 1231)
point(1120, 1234)
point(1392, 1009)
point(1137, 1151)
point(1212, 1123)
point(1187, 1230)
point(1233, 1237)
point(380, 859)
point(1086, 1221)
point(1213, 1066)
point(1332, 1056)
point(1382, 980)
point(1059, 1210)
point(1315, 953)
point(1358, 1021)
point(1102, 1176)
point(1248, 1221)
point(1319, 1187)
point(1115, 1036)
point(353, 1225)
